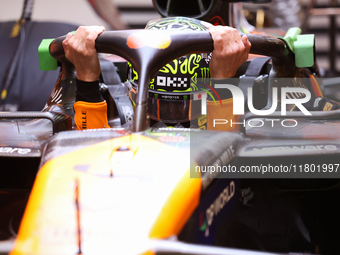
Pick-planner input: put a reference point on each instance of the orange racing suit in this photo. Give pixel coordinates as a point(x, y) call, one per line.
point(90, 107)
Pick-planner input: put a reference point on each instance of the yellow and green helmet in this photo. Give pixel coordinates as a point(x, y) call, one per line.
point(175, 92)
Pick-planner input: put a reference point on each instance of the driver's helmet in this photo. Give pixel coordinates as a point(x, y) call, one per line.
point(175, 92)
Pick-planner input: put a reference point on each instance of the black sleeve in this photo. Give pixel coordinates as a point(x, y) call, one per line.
point(88, 91)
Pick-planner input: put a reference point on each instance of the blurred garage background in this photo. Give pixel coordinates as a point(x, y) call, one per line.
point(323, 21)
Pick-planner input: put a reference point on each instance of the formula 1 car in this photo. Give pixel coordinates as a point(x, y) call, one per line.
point(271, 187)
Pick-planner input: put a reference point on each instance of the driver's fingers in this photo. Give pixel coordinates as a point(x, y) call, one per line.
point(246, 44)
point(66, 40)
point(226, 39)
point(66, 44)
point(234, 39)
point(92, 36)
point(237, 44)
point(85, 37)
point(89, 32)
point(94, 31)
point(217, 38)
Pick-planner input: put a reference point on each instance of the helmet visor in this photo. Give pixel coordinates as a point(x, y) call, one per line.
point(174, 107)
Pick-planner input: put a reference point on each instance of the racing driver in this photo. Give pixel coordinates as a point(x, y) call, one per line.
point(230, 51)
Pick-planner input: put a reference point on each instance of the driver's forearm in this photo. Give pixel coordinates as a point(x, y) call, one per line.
point(88, 91)
point(90, 107)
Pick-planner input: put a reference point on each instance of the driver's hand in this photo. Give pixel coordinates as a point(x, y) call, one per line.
point(80, 50)
point(230, 51)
